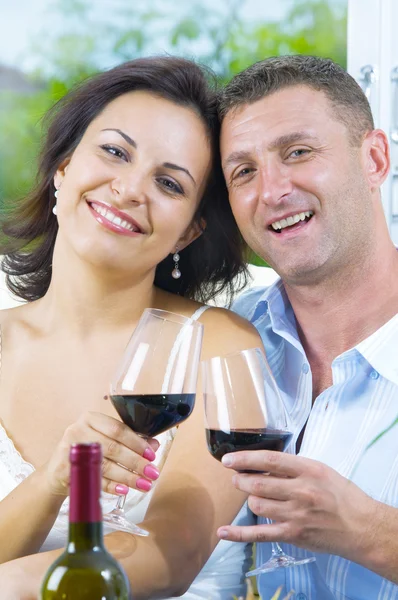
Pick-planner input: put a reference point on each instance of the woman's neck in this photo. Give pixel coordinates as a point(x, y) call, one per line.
point(86, 298)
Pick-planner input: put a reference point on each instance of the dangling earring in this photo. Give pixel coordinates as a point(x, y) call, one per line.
point(176, 273)
point(55, 205)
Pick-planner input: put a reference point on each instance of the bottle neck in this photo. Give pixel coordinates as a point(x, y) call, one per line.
point(85, 537)
point(85, 514)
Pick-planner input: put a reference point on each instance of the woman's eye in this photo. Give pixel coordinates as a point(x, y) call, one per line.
point(171, 185)
point(115, 151)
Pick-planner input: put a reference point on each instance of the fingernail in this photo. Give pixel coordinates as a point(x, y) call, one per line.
point(149, 454)
point(143, 484)
point(222, 533)
point(227, 460)
point(151, 472)
point(235, 479)
point(155, 444)
point(121, 489)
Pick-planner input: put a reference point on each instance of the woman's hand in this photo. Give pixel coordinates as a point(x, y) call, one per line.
point(126, 456)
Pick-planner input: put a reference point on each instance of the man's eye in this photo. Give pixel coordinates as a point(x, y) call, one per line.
point(298, 153)
point(242, 172)
point(115, 151)
point(170, 185)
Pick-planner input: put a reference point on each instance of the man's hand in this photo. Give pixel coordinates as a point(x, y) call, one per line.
point(312, 506)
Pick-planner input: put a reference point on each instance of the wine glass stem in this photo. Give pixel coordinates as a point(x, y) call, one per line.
point(276, 549)
point(120, 502)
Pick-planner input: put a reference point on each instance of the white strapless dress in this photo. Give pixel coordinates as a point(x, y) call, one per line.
point(221, 578)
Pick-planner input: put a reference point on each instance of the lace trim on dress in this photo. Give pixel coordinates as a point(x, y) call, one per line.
point(17, 467)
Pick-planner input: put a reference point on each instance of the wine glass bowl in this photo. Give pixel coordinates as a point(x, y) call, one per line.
point(154, 388)
point(244, 411)
point(238, 415)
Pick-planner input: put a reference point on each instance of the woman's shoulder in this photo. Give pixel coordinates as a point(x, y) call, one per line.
point(206, 313)
point(226, 318)
point(15, 312)
point(13, 320)
point(9, 315)
point(226, 331)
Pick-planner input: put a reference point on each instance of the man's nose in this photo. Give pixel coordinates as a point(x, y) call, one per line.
point(274, 184)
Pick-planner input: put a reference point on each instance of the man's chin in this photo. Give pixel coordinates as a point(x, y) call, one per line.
point(306, 273)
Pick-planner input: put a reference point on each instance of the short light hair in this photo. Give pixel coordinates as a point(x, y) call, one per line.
point(349, 103)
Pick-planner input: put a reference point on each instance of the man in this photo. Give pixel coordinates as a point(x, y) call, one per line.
point(304, 166)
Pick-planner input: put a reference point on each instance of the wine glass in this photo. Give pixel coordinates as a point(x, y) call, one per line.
point(244, 411)
point(155, 386)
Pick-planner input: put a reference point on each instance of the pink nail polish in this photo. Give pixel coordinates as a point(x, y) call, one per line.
point(151, 472)
point(143, 484)
point(149, 454)
point(121, 489)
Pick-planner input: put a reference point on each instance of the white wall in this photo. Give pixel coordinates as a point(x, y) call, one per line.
point(372, 43)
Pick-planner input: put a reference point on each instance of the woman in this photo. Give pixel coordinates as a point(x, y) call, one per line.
point(131, 156)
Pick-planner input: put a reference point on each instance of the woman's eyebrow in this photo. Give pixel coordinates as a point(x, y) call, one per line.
point(126, 137)
point(168, 165)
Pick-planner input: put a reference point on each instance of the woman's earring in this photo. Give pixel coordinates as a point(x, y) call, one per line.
point(176, 273)
point(55, 205)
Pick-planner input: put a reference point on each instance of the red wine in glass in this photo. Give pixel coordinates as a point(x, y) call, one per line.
point(221, 442)
point(151, 414)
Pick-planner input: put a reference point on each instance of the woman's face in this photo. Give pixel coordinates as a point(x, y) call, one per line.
point(130, 190)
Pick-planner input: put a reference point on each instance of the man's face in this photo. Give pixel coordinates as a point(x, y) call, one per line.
point(296, 185)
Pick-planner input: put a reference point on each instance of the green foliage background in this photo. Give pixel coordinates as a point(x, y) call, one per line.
point(222, 40)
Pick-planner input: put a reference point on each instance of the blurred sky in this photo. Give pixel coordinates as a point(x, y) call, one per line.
point(22, 21)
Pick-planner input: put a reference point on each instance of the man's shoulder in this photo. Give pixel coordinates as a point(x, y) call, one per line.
point(247, 302)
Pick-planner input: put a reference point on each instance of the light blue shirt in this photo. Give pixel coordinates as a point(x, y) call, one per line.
point(344, 419)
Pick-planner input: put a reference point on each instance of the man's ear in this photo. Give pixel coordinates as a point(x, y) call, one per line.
point(60, 172)
point(194, 231)
point(377, 158)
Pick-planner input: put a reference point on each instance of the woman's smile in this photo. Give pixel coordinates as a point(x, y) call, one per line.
point(114, 219)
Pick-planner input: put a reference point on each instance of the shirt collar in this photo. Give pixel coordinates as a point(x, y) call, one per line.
point(275, 305)
point(380, 350)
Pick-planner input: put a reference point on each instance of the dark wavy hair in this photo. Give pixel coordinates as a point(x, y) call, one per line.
point(213, 263)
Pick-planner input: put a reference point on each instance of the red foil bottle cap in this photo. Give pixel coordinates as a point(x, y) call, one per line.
point(85, 483)
point(85, 453)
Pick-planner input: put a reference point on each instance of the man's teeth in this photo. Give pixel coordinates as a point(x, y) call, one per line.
point(291, 220)
point(110, 216)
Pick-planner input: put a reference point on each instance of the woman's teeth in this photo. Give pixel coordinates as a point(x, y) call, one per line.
point(110, 216)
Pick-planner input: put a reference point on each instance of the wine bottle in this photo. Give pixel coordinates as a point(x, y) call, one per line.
point(85, 570)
